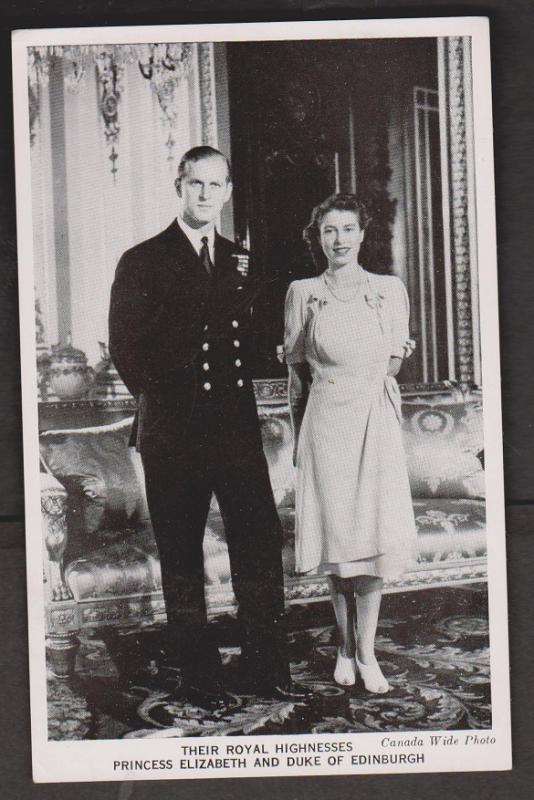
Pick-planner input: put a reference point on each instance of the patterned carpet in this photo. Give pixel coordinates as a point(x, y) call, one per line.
point(433, 647)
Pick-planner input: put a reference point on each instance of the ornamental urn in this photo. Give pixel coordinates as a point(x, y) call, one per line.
point(70, 377)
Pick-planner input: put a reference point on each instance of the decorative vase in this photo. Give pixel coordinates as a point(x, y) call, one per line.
point(43, 373)
point(70, 377)
point(109, 385)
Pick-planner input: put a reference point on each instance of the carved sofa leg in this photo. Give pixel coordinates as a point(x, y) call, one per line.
point(61, 649)
point(55, 535)
point(61, 641)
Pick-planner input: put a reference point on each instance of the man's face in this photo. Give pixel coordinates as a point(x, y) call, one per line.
point(204, 189)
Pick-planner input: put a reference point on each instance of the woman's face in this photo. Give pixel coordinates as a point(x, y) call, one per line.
point(341, 237)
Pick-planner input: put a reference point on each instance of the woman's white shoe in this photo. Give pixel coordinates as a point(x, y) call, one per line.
point(372, 676)
point(345, 671)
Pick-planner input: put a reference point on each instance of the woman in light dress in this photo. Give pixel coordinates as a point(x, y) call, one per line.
point(346, 334)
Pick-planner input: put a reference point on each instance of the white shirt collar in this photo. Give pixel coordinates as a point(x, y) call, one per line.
point(195, 236)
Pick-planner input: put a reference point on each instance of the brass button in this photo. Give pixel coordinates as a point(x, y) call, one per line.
point(205, 346)
point(240, 382)
point(205, 366)
point(236, 342)
point(235, 323)
point(207, 386)
point(205, 327)
point(238, 362)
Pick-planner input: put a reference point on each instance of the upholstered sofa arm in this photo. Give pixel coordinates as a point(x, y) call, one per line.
point(54, 527)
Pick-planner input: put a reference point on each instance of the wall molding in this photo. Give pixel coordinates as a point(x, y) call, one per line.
point(206, 80)
point(458, 107)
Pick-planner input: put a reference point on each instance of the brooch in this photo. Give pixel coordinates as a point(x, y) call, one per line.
point(320, 301)
point(374, 300)
point(242, 263)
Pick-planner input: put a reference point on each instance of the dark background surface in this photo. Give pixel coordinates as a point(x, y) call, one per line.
point(512, 39)
point(288, 105)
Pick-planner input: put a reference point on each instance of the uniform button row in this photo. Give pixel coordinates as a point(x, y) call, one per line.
point(235, 324)
point(206, 346)
point(206, 366)
point(207, 386)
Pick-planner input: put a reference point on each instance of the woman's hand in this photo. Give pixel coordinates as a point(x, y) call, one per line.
point(395, 363)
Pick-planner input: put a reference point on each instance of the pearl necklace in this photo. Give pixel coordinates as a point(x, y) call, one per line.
point(348, 299)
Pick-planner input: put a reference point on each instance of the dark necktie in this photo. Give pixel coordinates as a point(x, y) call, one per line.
point(204, 254)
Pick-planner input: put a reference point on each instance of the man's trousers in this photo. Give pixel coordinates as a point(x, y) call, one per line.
point(221, 453)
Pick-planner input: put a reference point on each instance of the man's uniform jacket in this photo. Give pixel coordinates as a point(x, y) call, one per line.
point(162, 300)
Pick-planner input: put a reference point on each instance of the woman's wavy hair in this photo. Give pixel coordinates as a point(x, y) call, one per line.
point(336, 202)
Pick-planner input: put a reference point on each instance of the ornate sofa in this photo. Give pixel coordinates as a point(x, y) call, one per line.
point(100, 561)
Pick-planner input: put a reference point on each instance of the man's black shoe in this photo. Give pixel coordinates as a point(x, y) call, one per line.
point(290, 692)
point(211, 699)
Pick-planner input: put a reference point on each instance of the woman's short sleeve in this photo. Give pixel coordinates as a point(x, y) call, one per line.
point(400, 319)
point(294, 325)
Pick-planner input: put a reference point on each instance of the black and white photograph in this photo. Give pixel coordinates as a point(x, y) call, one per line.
point(261, 400)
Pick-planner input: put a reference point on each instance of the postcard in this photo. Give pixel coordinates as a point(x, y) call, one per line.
point(261, 400)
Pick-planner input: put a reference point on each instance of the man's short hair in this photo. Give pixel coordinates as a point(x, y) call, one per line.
point(199, 154)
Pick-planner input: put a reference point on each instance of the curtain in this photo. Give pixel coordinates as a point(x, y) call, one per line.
point(99, 189)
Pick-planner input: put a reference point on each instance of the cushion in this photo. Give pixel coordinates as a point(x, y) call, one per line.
point(450, 529)
point(104, 477)
point(121, 569)
point(444, 443)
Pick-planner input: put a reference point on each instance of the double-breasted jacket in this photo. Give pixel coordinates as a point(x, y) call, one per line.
point(177, 334)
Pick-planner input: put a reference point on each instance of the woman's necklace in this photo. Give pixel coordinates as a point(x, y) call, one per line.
point(343, 298)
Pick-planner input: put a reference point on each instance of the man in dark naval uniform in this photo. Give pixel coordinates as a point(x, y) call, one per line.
point(180, 329)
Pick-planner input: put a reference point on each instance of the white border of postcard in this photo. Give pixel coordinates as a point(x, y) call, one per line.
point(458, 751)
